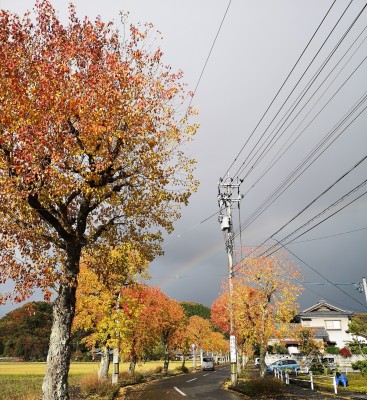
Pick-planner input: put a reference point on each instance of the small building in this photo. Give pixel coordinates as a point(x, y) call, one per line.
point(329, 322)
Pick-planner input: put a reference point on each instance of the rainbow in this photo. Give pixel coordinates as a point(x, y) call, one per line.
point(194, 262)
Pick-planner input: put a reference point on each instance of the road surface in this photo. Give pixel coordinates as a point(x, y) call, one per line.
point(205, 385)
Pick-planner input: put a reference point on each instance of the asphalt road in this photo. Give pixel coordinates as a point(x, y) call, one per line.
point(205, 385)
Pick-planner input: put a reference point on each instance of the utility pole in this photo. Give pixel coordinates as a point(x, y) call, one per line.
point(225, 201)
point(116, 349)
point(364, 287)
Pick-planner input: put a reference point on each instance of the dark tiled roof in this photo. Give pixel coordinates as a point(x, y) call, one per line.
point(324, 309)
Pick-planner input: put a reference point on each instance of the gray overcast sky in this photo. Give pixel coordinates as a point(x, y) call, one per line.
point(257, 46)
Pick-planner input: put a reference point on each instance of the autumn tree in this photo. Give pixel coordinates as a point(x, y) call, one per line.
point(147, 317)
point(264, 299)
point(182, 341)
point(102, 275)
point(245, 317)
point(90, 155)
point(308, 345)
point(199, 330)
point(171, 318)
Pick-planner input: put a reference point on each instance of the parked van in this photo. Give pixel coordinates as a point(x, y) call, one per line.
point(207, 363)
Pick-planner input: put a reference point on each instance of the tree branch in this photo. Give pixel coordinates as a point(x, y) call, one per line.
point(48, 217)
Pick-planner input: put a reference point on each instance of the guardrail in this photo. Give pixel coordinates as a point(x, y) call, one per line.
point(286, 378)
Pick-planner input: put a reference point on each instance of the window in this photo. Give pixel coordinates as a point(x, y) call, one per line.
point(333, 325)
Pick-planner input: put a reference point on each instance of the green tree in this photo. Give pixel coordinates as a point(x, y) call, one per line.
point(25, 331)
point(357, 327)
point(192, 308)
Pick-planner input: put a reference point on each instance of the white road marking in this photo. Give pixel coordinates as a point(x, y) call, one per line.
point(179, 391)
point(206, 375)
point(192, 380)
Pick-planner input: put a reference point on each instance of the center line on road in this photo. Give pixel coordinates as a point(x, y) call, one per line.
point(179, 391)
point(206, 375)
point(192, 380)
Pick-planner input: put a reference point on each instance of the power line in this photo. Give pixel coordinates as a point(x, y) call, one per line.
point(267, 149)
point(295, 86)
point(298, 170)
point(319, 223)
point(324, 277)
point(269, 167)
point(328, 236)
point(317, 198)
point(297, 101)
point(285, 81)
point(210, 52)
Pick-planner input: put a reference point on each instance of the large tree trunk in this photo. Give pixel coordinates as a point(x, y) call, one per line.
point(55, 382)
point(166, 359)
point(132, 365)
point(105, 364)
point(262, 360)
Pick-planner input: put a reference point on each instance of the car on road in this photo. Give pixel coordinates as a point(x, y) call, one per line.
point(207, 363)
point(257, 362)
point(283, 365)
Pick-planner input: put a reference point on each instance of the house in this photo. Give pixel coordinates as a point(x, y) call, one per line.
point(329, 322)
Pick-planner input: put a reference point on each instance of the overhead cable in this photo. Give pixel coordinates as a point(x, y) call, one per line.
point(270, 145)
point(324, 277)
point(302, 167)
point(325, 219)
point(294, 88)
point(299, 98)
point(277, 156)
point(210, 52)
point(285, 81)
point(317, 198)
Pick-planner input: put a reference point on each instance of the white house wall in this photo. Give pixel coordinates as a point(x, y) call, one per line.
point(335, 335)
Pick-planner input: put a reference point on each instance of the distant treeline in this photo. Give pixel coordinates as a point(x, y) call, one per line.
point(25, 332)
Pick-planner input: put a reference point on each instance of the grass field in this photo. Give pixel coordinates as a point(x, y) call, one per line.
point(357, 382)
point(23, 380)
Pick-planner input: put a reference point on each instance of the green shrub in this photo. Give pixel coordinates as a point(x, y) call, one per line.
point(260, 386)
point(361, 365)
point(333, 350)
point(317, 367)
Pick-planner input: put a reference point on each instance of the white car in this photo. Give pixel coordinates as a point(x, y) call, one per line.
point(207, 363)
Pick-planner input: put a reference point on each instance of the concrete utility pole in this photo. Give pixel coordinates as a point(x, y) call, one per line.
point(225, 201)
point(116, 350)
point(364, 287)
